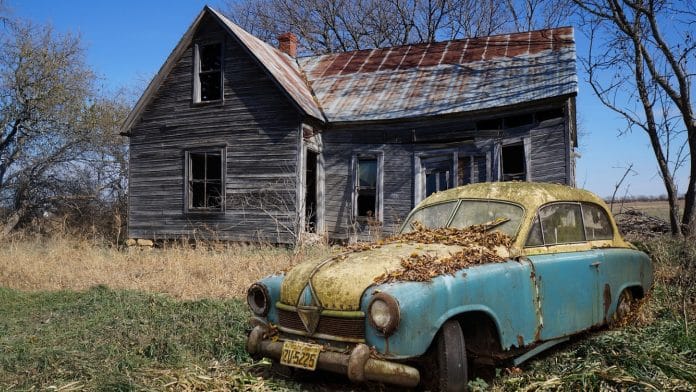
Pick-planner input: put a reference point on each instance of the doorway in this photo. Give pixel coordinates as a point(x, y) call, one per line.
point(311, 192)
point(513, 162)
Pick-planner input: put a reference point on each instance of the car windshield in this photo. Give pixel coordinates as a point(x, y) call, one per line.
point(500, 216)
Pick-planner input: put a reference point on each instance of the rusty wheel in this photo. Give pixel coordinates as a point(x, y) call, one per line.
point(451, 358)
point(623, 307)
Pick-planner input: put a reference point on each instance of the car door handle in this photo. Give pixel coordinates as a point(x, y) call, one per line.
point(595, 264)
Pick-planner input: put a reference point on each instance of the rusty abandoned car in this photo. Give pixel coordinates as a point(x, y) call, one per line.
point(478, 274)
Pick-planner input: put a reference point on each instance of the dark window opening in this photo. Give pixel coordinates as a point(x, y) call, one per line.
point(436, 180)
point(472, 169)
point(520, 120)
point(439, 174)
point(495, 123)
point(465, 172)
point(549, 114)
point(210, 72)
point(367, 188)
point(513, 162)
point(311, 192)
point(205, 181)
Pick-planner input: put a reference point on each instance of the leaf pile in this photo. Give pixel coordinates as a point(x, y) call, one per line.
point(479, 247)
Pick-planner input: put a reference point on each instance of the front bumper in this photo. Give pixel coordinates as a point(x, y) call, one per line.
point(357, 365)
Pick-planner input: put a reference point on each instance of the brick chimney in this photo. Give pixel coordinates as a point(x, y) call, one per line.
point(287, 43)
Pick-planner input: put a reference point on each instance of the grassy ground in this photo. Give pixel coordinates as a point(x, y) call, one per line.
point(130, 338)
point(119, 340)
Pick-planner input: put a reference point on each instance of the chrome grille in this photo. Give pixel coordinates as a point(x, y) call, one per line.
point(328, 325)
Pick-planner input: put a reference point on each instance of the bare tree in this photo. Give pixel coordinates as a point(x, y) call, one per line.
point(538, 14)
point(56, 134)
point(327, 26)
point(638, 66)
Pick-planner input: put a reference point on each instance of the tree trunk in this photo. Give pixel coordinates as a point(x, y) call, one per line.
point(689, 218)
point(11, 222)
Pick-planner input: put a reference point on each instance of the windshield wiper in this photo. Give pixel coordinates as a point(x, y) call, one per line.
point(495, 222)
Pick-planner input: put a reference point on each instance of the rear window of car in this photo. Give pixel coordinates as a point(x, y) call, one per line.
point(597, 223)
point(565, 223)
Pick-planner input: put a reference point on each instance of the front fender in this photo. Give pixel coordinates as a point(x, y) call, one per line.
point(504, 291)
point(273, 283)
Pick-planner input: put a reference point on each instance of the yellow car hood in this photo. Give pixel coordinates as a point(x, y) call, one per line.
point(338, 282)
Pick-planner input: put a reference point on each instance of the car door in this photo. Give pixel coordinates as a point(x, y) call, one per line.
point(567, 271)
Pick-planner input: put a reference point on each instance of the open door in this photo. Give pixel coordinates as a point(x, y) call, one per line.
point(311, 192)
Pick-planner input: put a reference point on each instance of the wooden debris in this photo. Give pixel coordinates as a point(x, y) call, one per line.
point(636, 224)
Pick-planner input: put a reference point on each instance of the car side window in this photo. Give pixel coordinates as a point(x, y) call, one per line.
point(562, 223)
point(597, 224)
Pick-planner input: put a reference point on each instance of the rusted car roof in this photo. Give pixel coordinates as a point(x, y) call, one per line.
point(444, 77)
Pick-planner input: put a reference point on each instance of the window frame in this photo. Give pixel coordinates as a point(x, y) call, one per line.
point(379, 196)
point(188, 199)
point(419, 185)
point(197, 47)
point(582, 219)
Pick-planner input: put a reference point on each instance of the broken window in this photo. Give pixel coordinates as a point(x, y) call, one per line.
point(208, 75)
point(438, 173)
point(205, 181)
point(513, 163)
point(367, 195)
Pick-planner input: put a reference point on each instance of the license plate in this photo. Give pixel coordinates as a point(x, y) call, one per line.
point(300, 355)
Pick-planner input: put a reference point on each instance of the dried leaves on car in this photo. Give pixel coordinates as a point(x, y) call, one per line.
point(479, 246)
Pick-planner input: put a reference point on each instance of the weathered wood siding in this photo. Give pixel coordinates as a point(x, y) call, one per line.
point(257, 125)
point(402, 143)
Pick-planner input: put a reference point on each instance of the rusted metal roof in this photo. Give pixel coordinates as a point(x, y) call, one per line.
point(407, 81)
point(281, 66)
point(444, 77)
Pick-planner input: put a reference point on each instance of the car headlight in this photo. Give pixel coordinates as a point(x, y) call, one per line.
point(258, 298)
point(383, 313)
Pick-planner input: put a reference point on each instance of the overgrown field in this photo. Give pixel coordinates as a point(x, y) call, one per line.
point(656, 208)
point(61, 328)
point(181, 271)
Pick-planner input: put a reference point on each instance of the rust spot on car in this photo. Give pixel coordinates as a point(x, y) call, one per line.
point(607, 300)
point(520, 341)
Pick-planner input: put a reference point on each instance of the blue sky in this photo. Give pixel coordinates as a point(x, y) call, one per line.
point(127, 42)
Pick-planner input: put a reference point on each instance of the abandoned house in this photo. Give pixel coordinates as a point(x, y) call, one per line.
point(243, 141)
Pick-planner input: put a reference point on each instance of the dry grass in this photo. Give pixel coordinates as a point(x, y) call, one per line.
point(656, 208)
point(181, 271)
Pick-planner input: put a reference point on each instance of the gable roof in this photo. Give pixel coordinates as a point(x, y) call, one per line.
point(405, 81)
point(281, 68)
point(444, 77)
